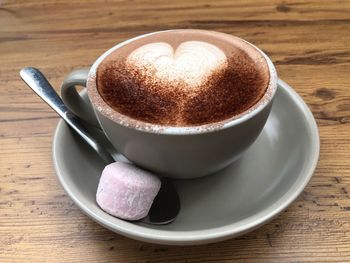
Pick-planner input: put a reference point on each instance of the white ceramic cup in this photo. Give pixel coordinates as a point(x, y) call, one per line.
point(177, 152)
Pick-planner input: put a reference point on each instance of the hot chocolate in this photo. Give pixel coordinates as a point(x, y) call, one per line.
point(183, 78)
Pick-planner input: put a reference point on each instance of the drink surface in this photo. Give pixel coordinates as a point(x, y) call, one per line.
point(183, 78)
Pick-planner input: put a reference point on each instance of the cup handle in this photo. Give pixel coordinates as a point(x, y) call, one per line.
point(73, 99)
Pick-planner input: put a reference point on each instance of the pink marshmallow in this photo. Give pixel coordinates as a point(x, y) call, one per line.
point(126, 191)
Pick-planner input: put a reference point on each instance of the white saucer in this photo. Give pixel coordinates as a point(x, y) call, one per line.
point(270, 175)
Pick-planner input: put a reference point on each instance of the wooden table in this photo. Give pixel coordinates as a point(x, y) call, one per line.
point(309, 42)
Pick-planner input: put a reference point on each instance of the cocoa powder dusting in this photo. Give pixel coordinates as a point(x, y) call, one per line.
point(136, 95)
point(226, 93)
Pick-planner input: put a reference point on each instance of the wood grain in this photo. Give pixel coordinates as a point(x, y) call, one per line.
point(309, 41)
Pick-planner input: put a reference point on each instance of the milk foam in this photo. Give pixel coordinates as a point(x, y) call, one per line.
point(191, 63)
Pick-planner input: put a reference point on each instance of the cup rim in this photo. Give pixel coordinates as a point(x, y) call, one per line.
point(139, 125)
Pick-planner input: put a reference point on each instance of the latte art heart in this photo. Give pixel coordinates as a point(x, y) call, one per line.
point(191, 63)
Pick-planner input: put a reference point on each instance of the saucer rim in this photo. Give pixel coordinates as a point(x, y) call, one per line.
point(211, 235)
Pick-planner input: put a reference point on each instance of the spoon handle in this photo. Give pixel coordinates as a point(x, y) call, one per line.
point(40, 85)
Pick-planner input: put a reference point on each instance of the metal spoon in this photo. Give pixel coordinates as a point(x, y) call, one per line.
point(166, 205)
